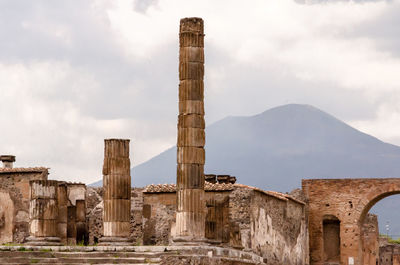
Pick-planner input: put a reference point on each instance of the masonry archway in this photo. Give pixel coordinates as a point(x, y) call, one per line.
point(349, 200)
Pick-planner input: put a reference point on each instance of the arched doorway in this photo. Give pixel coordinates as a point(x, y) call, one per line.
point(372, 225)
point(331, 235)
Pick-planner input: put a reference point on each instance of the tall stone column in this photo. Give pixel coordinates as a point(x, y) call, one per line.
point(190, 215)
point(43, 213)
point(117, 193)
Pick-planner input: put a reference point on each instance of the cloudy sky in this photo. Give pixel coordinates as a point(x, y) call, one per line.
point(75, 72)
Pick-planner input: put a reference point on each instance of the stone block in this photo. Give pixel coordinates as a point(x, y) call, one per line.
point(191, 70)
point(117, 210)
point(116, 229)
point(191, 200)
point(191, 90)
point(191, 121)
point(116, 165)
point(190, 176)
point(117, 186)
point(191, 107)
point(194, 137)
point(191, 54)
point(191, 155)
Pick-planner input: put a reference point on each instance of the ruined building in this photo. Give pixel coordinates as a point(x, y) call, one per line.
point(202, 219)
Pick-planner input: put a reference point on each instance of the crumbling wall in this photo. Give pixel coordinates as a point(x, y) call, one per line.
point(15, 183)
point(158, 215)
point(370, 238)
point(389, 254)
point(94, 215)
point(6, 217)
point(239, 218)
point(278, 229)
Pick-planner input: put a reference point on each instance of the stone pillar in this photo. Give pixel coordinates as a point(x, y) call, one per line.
point(43, 213)
point(190, 215)
point(71, 225)
point(117, 193)
point(62, 212)
point(81, 222)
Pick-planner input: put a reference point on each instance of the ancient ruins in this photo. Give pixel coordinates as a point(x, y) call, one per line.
point(202, 219)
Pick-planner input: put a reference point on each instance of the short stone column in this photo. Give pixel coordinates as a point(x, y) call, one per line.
point(71, 225)
point(190, 215)
point(81, 233)
point(43, 213)
point(62, 212)
point(116, 193)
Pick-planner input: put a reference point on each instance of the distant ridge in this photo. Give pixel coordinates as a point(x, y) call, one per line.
point(275, 149)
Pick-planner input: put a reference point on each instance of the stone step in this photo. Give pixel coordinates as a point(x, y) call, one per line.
point(50, 254)
point(76, 263)
point(90, 260)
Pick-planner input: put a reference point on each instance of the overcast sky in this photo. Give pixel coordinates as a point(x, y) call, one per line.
point(75, 72)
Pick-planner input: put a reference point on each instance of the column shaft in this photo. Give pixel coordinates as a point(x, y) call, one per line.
point(190, 215)
point(117, 192)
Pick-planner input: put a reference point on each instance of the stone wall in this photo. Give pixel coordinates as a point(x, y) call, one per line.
point(278, 229)
point(14, 202)
point(271, 224)
point(389, 254)
point(370, 237)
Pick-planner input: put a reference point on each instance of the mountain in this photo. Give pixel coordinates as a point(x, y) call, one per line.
point(274, 150)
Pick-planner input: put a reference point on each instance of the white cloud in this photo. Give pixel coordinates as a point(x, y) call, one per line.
point(72, 76)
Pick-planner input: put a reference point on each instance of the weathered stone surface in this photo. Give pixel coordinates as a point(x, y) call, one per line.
point(6, 217)
point(190, 213)
point(190, 176)
point(43, 212)
point(194, 137)
point(116, 192)
point(71, 225)
point(191, 121)
point(191, 155)
point(370, 238)
point(191, 107)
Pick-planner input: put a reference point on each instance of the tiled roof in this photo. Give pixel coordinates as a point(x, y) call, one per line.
point(170, 188)
point(23, 170)
point(160, 188)
point(278, 195)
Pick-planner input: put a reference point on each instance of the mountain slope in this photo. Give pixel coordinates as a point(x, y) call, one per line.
point(274, 150)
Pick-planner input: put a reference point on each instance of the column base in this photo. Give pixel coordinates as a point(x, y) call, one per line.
point(43, 241)
point(114, 241)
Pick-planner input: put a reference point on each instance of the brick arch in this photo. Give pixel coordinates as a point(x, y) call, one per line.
point(372, 202)
point(349, 200)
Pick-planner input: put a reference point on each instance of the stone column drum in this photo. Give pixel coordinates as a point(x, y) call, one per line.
point(190, 215)
point(62, 211)
point(117, 193)
point(43, 213)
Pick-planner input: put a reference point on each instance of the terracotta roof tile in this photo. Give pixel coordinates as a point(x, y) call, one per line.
point(23, 170)
point(168, 188)
point(278, 195)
